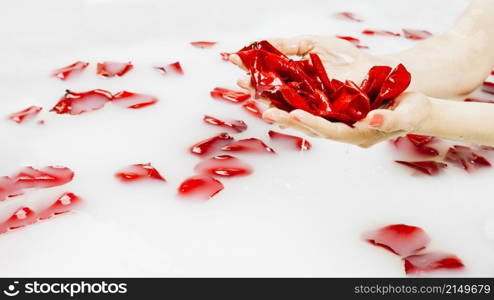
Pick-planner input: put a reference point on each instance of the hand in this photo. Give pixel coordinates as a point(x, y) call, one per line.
point(344, 61)
point(406, 116)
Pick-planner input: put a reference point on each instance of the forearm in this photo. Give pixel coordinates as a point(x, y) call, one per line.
point(455, 63)
point(460, 121)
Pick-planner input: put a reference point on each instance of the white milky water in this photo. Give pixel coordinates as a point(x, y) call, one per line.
point(299, 214)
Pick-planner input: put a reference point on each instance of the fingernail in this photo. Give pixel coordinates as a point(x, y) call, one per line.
point(377, 120)
point(295, 118)
point(268, 119)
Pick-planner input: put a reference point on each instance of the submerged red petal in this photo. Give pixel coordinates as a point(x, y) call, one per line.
point(430, 262)
point(133, 100)
point(380, 32)
point(24, 216)
point(419, 144)
point(139, 172)
point(488, 87)
point(210, 145)
point(429, 167)
point(253, 109)
point(401, 239)
point(77, 103)
point(202, 187)
point(349, 16)
point(72, 69)
point(251, 145)
point(111, 68)
point(296, 142)
point(235, 125)
point(464, 157)
point(223, 165)
point(415, 34)
point(229, 95)
point(353, 40)
point(25, 114)
point(65, 203)
point(175, 67)
point(479, 100)
point(203, 44)
point(30, 177)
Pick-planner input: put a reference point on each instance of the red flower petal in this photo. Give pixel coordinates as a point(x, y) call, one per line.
point(251, 145)
point(479, 100)
point(203, 44)
point(211, 145)
point(354, 41)
point(400, 239)
point(380, 32)
point(25, 114)
point(229, 95)
point(235, 125)
point(111, 69)
point(372, 83)
point(298, 143)
point(22, 217)
point(414, 34)
point(396, 83)
point(200, 186)
point(225, 56)
point(133, 100)
point(252, 108)
point(77, 103)
point(417, 143)
point(430, 262)
point(47, 177)
point(25, 216)
point(488, 87)
point(65, 203)
point(171, 68)
point(465, 157)
point(138, 172)
point(348, 16)
point(223, 165)
point(427, 167)
point(72, 69)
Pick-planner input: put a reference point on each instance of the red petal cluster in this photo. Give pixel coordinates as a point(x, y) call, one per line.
point(24, 216)
point(305, 85)
point(420, 143)
point(465, 157)
point(406, 241)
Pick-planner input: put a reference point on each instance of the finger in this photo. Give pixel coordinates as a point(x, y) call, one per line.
point(299, 45)
point(245, 83)
point(283, 120)
point(235, 59)
point(386, 120)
